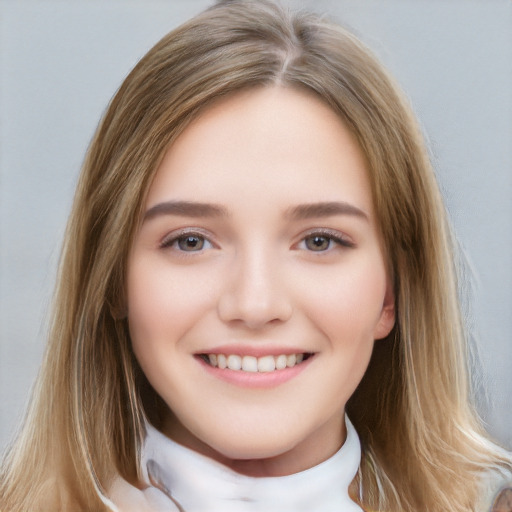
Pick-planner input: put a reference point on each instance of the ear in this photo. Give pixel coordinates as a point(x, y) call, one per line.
point(387, 315)
point(118, 311)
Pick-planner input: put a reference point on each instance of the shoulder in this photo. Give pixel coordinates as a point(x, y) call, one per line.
point(497, 491)
point(503, 501)
point(128, 498)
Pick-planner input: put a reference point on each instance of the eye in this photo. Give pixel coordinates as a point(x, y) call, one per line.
point(318, 242)
point(187, 242)
point(191, 243)
point(324, 241)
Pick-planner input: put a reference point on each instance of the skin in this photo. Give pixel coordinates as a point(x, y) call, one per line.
point(259, 273)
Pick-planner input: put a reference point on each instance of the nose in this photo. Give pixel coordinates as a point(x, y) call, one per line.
point(255, 295)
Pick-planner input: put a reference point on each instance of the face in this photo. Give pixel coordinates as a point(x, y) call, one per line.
point(257, 283)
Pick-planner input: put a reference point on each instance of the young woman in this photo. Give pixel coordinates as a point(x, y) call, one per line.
point(257, 302)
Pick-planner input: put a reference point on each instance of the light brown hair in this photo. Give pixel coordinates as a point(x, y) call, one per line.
point(422, 442)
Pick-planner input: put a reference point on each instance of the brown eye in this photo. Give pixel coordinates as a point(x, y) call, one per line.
point(318, 242)
point(190, 243)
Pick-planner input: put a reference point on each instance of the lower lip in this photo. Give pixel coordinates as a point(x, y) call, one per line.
point(256, 379)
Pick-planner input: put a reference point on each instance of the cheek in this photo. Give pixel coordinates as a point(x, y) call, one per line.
point(163, 305)
point(347, 314)
point(349, 304)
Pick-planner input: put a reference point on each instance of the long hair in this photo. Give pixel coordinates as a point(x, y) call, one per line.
point(422, 442)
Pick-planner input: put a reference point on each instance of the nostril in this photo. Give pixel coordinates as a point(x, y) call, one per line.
point(255, 294)
point(252, 313)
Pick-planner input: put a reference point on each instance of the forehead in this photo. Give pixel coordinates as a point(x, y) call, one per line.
point(269, 142)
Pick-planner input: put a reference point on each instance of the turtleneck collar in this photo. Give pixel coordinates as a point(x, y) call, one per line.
point(195, 483)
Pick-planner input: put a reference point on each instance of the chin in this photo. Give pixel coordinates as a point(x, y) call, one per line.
point(254, 449)
point(249, 444)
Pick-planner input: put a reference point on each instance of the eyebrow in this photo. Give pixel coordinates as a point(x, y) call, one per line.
point(326, 209)
point(299, 212)
point(185, 209)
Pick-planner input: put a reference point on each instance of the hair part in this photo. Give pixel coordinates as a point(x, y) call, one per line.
point(422, 441)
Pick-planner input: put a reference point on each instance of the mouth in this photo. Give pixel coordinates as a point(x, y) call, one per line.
point(251, 364)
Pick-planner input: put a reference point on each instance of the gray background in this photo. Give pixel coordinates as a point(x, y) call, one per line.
point(61, 61)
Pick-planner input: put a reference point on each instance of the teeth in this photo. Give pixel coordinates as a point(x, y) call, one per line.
point(254, 364)
point(281, 362)
point(234, 362)
point(221, 361)
point(266, 364)
point(249, 364)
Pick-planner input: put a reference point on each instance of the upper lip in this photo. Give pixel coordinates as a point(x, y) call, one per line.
point(254, 350)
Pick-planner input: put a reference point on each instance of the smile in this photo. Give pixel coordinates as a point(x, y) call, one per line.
point(251, 364)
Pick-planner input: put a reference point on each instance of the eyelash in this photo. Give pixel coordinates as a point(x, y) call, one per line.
point(174, 239)
point(332, 237)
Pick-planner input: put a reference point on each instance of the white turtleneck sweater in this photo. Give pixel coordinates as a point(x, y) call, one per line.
point(180, 479)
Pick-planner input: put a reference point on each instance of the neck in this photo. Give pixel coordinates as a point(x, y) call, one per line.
point(306, 454)
point(198, 482)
